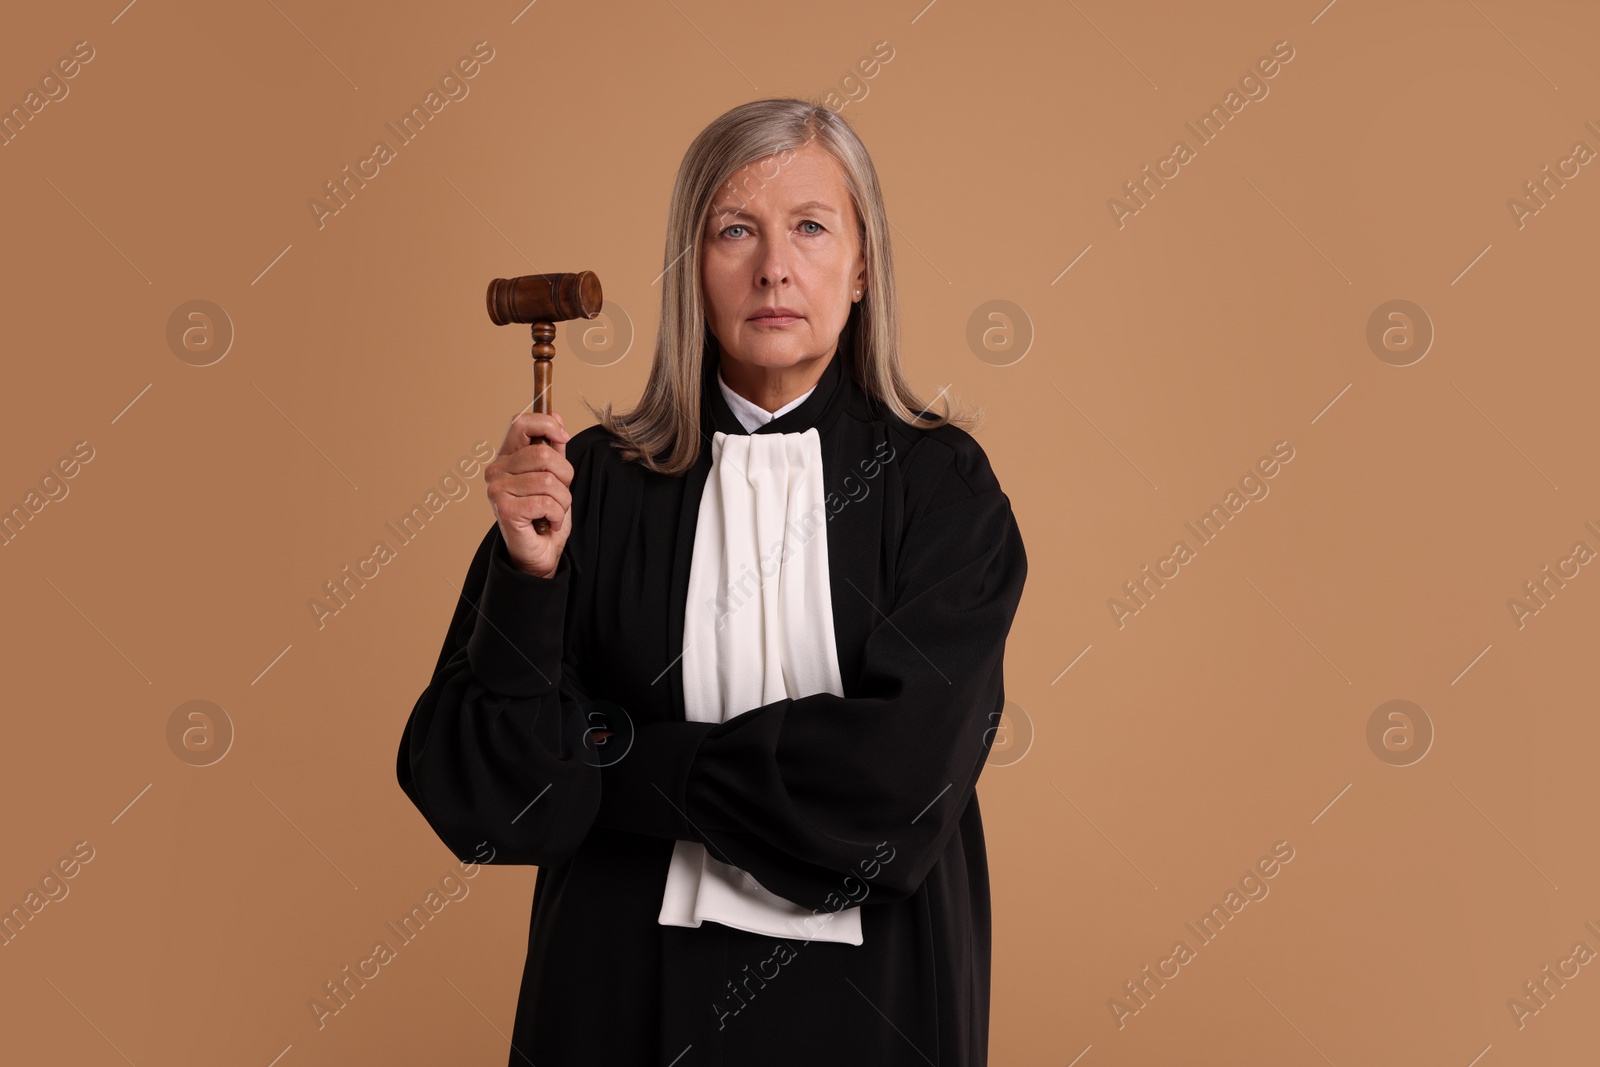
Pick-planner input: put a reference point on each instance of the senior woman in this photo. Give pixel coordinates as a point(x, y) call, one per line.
point(735, 702)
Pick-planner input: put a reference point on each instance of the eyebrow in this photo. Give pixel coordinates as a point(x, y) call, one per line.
point(810, 205)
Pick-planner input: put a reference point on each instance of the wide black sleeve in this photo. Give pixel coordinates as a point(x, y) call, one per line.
point(492, 754)
point(813, 795)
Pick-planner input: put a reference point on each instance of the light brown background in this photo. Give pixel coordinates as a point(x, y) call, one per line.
point(1229, 314)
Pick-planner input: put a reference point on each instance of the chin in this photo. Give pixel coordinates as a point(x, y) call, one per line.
point(770, 355)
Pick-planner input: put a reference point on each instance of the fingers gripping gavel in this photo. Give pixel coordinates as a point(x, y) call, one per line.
point(528, 481)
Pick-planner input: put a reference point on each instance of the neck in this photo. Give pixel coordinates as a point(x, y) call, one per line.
point(770, 388)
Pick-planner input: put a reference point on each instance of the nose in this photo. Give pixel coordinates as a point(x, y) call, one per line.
point(774, 263)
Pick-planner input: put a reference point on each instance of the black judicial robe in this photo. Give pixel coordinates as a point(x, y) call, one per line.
point(831, 802)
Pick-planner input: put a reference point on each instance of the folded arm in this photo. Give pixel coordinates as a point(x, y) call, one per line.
point(815, 795)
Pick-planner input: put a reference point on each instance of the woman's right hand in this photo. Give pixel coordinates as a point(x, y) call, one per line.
point(528, 481)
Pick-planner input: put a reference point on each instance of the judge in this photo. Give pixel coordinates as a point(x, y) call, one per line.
point(735, 702)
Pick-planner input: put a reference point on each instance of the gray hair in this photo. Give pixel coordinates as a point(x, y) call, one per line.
point(663, 430)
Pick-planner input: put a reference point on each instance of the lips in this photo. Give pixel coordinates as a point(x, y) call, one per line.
point(776, 314)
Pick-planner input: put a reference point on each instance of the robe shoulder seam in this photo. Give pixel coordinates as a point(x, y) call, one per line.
point(957, 467)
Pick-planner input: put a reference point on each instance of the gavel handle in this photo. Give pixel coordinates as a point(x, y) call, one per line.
point(544, 335)
point(541, 525)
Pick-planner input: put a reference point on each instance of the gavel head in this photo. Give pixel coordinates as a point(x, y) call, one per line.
point(544, 298)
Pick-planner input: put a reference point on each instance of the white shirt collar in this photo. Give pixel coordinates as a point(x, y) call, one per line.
point(751, 415)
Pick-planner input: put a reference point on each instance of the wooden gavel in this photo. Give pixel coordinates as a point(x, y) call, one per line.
point(544, 300)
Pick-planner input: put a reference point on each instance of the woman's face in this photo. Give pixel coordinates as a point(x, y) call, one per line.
point(782, 234)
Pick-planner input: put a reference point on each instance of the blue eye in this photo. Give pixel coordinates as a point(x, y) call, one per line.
point(820, 229)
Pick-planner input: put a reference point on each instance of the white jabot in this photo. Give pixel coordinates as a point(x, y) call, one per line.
point(758, 627)
point(751, 414)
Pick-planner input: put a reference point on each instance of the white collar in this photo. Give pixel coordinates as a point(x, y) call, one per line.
point(750, 414)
